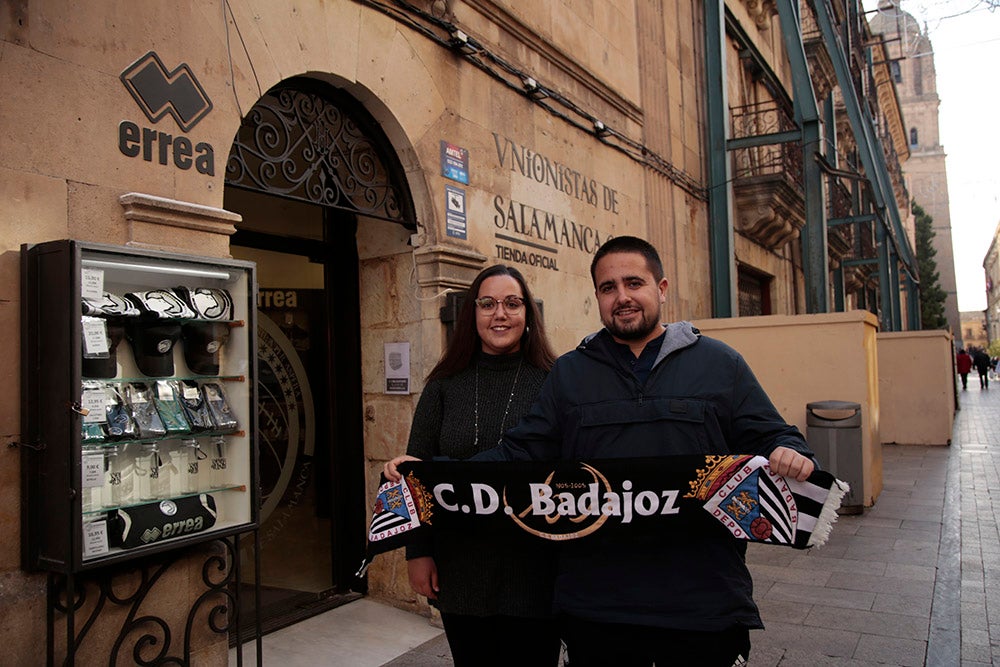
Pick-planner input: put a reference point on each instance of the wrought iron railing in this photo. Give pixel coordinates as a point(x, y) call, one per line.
point(781, 159)
point(140, 601)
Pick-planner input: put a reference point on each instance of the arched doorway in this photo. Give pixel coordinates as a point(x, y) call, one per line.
point(308, 168)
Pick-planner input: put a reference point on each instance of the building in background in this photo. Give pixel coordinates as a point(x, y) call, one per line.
point(912, 64)
point(974, 331)
point(991, 267)
point(371, 156)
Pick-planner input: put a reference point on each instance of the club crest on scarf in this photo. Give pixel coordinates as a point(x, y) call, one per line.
point(747, 498)
point(400, 507)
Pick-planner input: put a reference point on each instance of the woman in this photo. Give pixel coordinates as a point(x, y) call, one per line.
point(494, 598)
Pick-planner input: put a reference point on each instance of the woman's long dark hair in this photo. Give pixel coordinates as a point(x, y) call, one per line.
point(465, 342)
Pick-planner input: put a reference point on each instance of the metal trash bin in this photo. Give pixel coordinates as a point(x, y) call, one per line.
point(834, 434)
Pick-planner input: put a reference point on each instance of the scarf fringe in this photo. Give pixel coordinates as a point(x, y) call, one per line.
point(828, 515)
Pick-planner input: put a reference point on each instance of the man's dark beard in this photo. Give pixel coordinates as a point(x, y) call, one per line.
point(642, 329)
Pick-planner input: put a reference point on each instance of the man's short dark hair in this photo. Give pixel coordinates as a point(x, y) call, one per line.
point(629, 244)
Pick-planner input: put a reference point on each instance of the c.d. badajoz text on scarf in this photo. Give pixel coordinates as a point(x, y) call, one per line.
point(570, 500)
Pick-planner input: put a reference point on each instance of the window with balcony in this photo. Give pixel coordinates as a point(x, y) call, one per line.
point(754, 292)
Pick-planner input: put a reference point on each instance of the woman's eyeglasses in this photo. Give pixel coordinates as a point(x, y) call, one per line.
point(511, 304)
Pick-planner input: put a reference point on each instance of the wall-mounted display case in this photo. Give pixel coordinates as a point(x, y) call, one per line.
point(138, 402)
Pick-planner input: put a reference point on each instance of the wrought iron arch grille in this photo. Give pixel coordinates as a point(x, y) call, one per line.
point(300, 145)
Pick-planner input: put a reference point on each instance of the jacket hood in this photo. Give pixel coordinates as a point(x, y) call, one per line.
point(679, 335)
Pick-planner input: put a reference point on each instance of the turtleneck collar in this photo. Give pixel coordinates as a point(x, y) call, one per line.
point(499, 362)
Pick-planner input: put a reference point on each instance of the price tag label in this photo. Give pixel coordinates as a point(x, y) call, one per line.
point(92, 406)
point(92, 284)
point(95, 337)
point(93, 470)
point(95, 538)
point(164, 392)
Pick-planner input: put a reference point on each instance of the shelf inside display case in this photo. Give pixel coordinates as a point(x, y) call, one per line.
point(139, 396)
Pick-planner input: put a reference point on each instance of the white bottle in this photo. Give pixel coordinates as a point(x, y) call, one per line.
point(111, 492)
point(196, 466)
point(150, 473)
point(219, 477)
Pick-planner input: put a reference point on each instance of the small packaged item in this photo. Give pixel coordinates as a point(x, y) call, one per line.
point(218, 406)
point(120, 424)
point(195, 406)
point(168, 406)
point(147, 419)
point(92, 404)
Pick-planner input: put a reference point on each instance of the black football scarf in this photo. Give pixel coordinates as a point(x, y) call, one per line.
point(570, 500)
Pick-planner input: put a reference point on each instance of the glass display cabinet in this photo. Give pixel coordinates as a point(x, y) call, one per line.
point(138, 402)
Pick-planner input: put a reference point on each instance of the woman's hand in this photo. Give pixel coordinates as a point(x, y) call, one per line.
point(390, 471)
point(423, 576)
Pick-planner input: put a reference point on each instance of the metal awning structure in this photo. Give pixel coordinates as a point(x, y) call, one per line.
point(893, 249)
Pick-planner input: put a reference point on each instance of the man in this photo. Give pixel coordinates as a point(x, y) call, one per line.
point(981, 361)
point(639, 388)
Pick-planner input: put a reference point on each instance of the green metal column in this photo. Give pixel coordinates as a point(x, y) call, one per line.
point(913, 305)
point(814, 245)
point(720, 214)
point(885, 289)
point(897, 311)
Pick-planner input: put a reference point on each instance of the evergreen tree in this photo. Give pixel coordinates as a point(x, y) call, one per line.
point(931, 295)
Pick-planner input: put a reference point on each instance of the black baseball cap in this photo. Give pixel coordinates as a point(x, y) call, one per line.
point(202, 343)
point(153, 346)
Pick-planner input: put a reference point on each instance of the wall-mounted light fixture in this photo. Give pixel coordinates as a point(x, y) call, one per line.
point(532, 89)
point(461, 42)
point(601, 130)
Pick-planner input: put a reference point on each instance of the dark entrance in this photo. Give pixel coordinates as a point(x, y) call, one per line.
point(307, 168)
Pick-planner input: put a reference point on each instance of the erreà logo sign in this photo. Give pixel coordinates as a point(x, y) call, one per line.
point(160, 93)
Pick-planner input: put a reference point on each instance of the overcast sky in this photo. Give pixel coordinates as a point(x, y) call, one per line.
point(965, 35)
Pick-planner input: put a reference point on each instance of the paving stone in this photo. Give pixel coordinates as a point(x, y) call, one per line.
point(891, 650)
point(869, 622)
point(908, 605)
point(846, 599)
point(821, 641)
point(976, 652)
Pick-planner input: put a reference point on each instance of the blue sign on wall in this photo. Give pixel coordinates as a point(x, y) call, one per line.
point(455, 162)
point(455, 224)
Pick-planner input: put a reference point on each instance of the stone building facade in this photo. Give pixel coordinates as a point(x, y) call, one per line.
point(912, 61)
point(372, 156)
point(991, 270)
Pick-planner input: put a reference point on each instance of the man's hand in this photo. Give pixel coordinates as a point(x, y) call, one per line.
point(789, 463)
point(390, 471)
point(423, 576)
